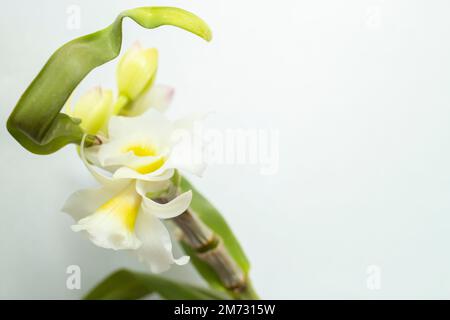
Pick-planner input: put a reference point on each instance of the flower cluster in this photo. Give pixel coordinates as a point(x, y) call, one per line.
point(135, 164)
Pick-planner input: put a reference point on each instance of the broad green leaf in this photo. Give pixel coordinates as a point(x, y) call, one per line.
point(214, 220)
point(128, 285)
point(36, 122)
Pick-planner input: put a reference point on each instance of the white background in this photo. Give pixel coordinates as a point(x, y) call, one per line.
point(359, 93)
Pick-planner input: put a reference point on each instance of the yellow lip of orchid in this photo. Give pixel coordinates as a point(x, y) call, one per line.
point(150, 159)
point(141, 149)
point(124, 206)
point(112, 224)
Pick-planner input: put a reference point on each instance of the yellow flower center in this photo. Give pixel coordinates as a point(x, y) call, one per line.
point(145, 150)
point(141, 150)
point(150, 167)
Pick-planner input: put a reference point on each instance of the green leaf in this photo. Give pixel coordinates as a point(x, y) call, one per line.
point(214, 220)
point(36, 122)
point(128, 285)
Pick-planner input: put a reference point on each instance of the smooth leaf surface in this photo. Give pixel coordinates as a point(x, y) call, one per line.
point(214, 220)
point(36, 122)
point(127, 285)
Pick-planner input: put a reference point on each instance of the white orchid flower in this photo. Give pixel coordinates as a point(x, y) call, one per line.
point(148, 148)
point(137, 162)
point(120, 216)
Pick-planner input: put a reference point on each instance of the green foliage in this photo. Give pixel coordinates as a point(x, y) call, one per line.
point(128, 285)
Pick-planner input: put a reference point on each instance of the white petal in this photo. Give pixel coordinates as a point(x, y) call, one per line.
point(84, 202)
point(115, 151)
point(152, 123)
point(108, 153)
point(91, 155)
point(156, 248)
point(153, 187)
point(101, 177)
point(187, 157)
point(161, 174)
point(168, 210)
point(158, 97)
point(187, 145)
point(111, 224)
point(108, 233)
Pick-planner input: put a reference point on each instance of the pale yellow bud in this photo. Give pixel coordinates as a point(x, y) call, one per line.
point(94, 109)
point(136, 71)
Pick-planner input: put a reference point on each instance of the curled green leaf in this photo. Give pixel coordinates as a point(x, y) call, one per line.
point(36, 122)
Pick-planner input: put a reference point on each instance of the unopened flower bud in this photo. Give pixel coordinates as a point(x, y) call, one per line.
point(136, 71)
point(94, 109)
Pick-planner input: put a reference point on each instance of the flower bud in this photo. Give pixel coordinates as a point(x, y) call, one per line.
point(136, 71)
point(94, 109)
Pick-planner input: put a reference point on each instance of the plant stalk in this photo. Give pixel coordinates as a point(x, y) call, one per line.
point(209, 247)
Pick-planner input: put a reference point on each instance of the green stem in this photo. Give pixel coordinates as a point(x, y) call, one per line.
point(120, 104)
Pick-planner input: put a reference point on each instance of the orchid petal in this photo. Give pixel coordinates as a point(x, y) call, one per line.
point(171, 209)
point(168, 210)
point(156, 248)
point(158, 98)
point(111, 224)
point(84, 202)
point(161, 174)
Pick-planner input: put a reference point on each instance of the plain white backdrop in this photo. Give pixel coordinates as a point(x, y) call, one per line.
point(359, 93)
